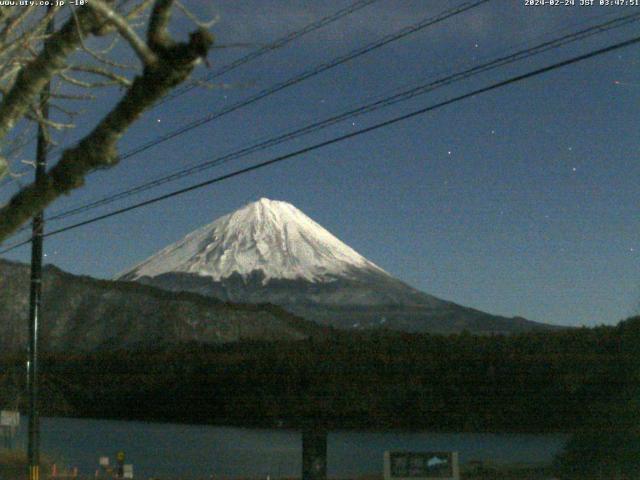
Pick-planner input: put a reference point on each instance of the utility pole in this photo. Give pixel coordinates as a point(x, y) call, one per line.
point(33, 448)
point(314, 452)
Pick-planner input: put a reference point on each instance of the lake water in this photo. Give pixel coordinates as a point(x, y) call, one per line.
point(172, 450)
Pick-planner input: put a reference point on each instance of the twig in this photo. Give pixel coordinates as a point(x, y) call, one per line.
point(147, 56)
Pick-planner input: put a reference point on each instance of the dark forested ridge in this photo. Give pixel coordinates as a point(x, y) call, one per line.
point(534, 382)
point(83, 313)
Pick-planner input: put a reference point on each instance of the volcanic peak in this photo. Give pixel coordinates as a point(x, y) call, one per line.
point(269, 236)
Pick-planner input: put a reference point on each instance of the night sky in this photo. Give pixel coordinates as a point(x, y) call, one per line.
point(521, 201)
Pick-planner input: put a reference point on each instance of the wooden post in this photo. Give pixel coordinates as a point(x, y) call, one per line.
point(314, 454)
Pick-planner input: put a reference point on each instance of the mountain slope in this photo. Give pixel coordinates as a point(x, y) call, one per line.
point(269, 251)
point(81, 314)
point(272, 237)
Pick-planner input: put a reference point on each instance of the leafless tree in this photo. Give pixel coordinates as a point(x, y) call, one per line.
point(82, 54)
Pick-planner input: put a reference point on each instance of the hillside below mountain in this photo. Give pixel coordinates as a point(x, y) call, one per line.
point(85, 314)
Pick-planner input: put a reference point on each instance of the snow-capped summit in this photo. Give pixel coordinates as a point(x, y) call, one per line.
point(270, 252)
point(268, 236)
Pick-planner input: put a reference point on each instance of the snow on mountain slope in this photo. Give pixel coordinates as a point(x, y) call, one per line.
point(268, 235)
point(271, 252)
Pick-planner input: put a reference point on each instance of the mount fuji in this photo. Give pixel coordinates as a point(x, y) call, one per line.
point(270, 252)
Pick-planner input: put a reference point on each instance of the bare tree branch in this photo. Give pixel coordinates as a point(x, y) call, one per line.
point(158, 34)
point(13, 23)
point(65, 111)
point(72, 96)
point(142, 50)
point(34, 76)
point(100, 57)
point(37, 116)
point(102, 72)
point(139, 9)
point(175, 61)
point(206, 25)
point(30, 35)
point(84, 84)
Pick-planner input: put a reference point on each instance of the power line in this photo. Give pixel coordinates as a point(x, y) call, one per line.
point(368, 108)
point(307, 74)
point(310, 73)
point(341, 138)
point(272, 46)
point(279, 43)
point(404, 32)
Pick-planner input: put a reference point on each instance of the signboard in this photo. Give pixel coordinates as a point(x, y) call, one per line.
point(128, 471)
point(9, 418)
point(421, 465)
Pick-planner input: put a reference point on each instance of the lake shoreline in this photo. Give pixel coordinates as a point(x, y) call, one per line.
point(13, 467)
point(298, 427)
point(172, 450)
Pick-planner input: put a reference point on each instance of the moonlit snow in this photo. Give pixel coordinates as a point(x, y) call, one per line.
point(268, 235)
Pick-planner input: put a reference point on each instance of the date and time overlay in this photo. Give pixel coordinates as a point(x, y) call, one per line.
point(582, 3)
point(527, 3)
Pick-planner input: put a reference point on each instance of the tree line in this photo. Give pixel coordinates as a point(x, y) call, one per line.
point(533, 382)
